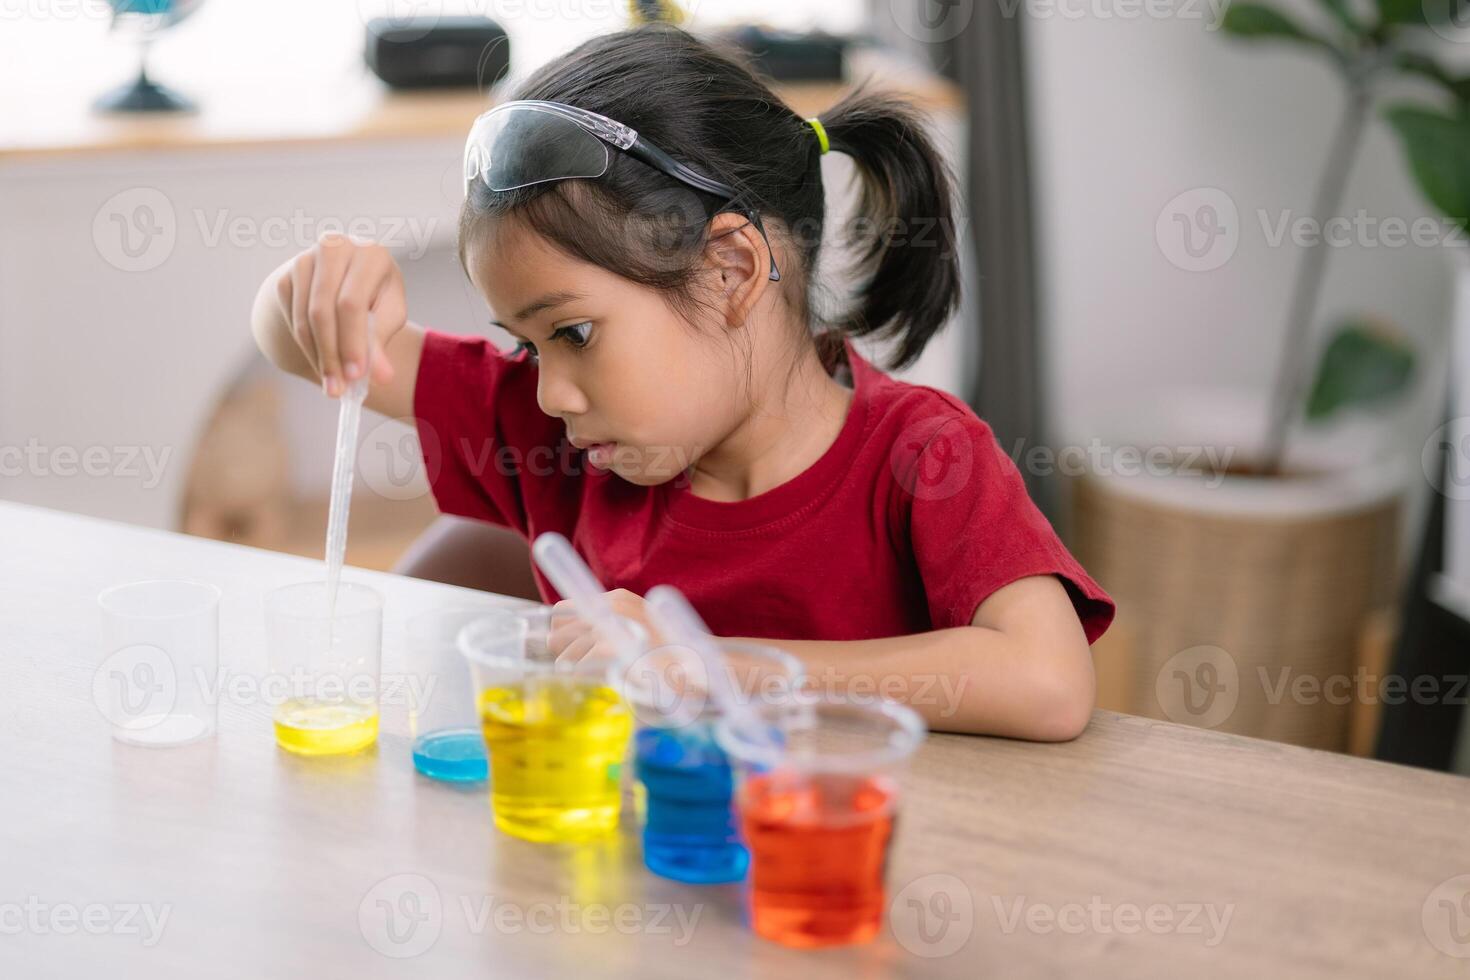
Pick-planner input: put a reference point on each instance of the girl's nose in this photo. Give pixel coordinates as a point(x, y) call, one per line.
point(558, 396)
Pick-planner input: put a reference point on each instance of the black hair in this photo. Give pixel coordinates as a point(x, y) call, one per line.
point(704, 106)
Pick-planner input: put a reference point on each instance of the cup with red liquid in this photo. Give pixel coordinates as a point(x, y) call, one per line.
point(817, 798)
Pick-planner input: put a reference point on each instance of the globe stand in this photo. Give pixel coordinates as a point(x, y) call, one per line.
point(143, 94)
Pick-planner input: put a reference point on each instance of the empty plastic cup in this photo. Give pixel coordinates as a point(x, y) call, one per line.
point(442, 718)
point(818, 795)
point(157, 682)
point(325, 668)
point(556, 733)
point(690, 832)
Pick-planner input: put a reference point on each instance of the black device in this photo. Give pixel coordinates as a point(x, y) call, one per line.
point(438, 52)
point(787, 56)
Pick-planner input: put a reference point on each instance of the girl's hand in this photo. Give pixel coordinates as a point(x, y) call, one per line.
point(326, 298)
point(573, 638)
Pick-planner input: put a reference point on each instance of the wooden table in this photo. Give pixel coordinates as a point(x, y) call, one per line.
point(1142, 849)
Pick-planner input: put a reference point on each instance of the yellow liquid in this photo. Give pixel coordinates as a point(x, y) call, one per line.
point(309, 727)
point(556, 747)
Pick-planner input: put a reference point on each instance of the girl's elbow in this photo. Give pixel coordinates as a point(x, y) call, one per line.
point(1065, 706)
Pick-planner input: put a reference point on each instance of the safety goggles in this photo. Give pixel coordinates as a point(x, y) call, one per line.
point(528, 142)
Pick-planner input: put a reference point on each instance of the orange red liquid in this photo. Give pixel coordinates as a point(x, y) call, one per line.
point(818, 852)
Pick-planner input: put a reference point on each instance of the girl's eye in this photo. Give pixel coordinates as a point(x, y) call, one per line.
point(576, 334)
point(523, 346)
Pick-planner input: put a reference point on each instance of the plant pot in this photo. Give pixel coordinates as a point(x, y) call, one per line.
point(1243, 598)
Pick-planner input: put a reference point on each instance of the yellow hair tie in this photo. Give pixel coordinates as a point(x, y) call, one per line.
point(821, 133)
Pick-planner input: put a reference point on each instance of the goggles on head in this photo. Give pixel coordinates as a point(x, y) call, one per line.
point(527, 142)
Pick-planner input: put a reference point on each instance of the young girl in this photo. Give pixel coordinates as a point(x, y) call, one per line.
point(674, 407)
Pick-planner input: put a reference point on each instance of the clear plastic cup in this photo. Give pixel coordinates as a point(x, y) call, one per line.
point(817, 798)
point(442, 719)
point(556, 733)
point(157, 682)
point(325, 669)
point(690, 832)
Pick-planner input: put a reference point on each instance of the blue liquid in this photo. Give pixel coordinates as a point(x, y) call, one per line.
point(690, 833)
point(453, 755)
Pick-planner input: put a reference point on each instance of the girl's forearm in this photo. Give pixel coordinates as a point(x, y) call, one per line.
point(968, 679)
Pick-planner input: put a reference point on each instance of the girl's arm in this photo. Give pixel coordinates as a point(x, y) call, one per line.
point(310, 319)
point(1021, 669)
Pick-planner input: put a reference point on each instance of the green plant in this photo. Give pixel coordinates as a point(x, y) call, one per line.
point(1366, 44)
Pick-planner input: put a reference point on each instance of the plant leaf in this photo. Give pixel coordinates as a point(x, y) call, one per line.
point(1421, 12)
point(1438, 148)
point(1418, 63)
point(1365, 363)
point(1343, 12)
point(1256, 21)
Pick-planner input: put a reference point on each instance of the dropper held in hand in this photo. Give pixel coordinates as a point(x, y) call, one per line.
point(567, 571)
point(349, 417)
point(680, 623)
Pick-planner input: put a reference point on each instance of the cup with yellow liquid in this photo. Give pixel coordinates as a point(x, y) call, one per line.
point(325, 665)
point(556, 732)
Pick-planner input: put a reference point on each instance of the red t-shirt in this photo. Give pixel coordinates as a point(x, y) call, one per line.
point(906, 523)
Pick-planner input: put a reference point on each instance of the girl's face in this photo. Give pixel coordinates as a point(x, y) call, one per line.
point(638, 387)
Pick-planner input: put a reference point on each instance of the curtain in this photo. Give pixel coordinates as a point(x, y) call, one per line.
point(975, 44)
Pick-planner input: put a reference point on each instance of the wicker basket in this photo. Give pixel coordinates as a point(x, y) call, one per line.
point(1232, 594)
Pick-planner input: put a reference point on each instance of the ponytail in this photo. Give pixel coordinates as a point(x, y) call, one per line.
point(909, 266)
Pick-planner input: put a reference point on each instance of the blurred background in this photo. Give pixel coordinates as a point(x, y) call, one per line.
point(1217, 291)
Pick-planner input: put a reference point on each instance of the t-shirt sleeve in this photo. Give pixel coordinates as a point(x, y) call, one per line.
point(489, 451)
point(974, 528)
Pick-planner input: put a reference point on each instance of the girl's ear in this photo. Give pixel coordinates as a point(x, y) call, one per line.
point(739, 263)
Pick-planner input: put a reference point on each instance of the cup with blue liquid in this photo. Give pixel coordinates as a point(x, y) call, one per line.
point(678, 695)
point(442, 719)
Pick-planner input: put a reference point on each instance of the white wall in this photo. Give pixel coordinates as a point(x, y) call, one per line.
point(1128, 113)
